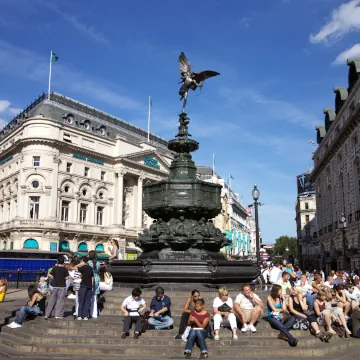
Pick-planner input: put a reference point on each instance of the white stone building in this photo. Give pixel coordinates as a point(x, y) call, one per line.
point(336, 177)
point(233, 219)
point(71, 178)
point(306, 226)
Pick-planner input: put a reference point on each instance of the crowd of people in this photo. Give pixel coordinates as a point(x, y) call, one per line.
point(297, 301)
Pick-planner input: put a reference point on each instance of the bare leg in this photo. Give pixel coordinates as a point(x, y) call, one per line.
point(346, 308)
point(255, 316)
point(185, 101)
point(328, 319)
point(343, 321)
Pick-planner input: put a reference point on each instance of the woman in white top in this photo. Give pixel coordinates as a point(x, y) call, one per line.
point(223, 310)
point(106, 279)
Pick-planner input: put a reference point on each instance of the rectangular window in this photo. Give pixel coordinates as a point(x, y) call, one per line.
point(65, 211)
point(86, 171)
point(83, 211)
point(67, 138)
point(100, 215)
point(68, 167)
point(102, 175)
point(34, 207)
point(307, 232)
point(36, 160)
point(306, 206)
point(307, 219)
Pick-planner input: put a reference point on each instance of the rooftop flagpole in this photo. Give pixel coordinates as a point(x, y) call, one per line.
point(50, 75)
point(150, 103)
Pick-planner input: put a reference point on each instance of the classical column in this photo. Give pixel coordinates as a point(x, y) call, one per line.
point(139, 202)
point(77, 217)
point(120, 197)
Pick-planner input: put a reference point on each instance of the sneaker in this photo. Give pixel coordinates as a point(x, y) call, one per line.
point(72, 296)
point(85, 318)
point(244, 328)
point(178, 337)
point(187, 354)
point(46, 317)
point(59, 317)
point(14, 325)
point(75, 314)
point(320, 336)
point(216, 337)
point(79, 318)
point(252, 328)
point(204, 355)
point(234, 337)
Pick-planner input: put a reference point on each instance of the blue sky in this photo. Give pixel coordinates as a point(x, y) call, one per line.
point(279, 61)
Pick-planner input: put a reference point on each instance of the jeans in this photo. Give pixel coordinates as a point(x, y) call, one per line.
point(165, 322)
point(26, 310)
point(85, 295)
point(310, 299)
point(129, 320)
point(200, 336)
point(57, 300)
point(283, 327)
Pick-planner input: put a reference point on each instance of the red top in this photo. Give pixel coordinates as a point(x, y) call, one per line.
point(200, 317)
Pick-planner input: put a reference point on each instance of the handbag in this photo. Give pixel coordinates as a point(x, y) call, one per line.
point(301, 324)
point(224, 308)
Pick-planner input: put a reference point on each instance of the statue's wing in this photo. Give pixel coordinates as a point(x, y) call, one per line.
point(201, 76)
point(184, 64)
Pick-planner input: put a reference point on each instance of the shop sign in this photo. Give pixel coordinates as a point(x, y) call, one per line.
point(131, 256)
point(88, 158)
point(149, 161)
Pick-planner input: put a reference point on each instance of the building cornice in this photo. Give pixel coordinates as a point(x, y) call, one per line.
point(349, 126)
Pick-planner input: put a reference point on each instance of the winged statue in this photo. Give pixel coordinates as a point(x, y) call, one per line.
point(191, 80)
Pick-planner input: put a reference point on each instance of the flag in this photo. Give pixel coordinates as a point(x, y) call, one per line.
point(150, 101)
point(231, 177)
point(54, 57)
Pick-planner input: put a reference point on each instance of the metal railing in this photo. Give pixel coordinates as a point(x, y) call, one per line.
point(21, 277)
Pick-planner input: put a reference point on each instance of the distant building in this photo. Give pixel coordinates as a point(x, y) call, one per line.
point(306, 227)
point(71, 178)
point(336, 177)
point(233, 219)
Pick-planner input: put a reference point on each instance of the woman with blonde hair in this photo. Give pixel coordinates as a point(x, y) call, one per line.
point(327, 315)
point(3, 288)
point(223, 311)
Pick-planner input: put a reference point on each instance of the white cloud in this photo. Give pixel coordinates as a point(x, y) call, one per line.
point(345, 19)
point(89, 31)
point(245, 22)
point(353, 52)
point(279, 109)
point(6, 112)
point(33, 66)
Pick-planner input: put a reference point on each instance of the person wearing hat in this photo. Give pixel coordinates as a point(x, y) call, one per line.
point(160, 313)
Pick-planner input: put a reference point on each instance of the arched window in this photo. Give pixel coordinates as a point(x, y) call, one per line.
point(31, 244)
point(100, 248)
point(4, 245)
point(64, 246)
point(83, 247)
point(12, 245)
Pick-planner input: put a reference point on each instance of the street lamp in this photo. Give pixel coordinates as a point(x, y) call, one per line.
point(343, 230)
point(256, 194)
point(287, 254)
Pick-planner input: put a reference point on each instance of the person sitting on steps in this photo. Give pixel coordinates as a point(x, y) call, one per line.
point(188, 308)
point(160, 313)
point(223, 311)
point(132, 307)
point(276, 310)
point(35, 307)
point(198, 320)
point(248, 307)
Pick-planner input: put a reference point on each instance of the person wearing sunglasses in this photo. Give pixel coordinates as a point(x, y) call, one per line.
point(223, 311)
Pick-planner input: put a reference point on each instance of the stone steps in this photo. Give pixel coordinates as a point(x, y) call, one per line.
point(100, 338)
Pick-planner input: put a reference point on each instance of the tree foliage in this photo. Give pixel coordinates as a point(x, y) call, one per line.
point(283, 242)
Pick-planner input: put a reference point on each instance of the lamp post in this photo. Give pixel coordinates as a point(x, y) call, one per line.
point(287, 254)
point(256, 194)
point(343, 230)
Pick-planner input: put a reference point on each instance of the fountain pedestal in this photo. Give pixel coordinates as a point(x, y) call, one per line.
point(183, 244)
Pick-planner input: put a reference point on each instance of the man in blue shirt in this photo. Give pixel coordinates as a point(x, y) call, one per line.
point(160, 314)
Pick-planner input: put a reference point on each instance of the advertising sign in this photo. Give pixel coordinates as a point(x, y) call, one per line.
point(304, 186)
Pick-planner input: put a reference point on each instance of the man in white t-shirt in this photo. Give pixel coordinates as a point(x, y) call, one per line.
point(274, 273)
point(330, 282)
point(248, 307)
point(303, 286)
point(132, 307)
